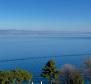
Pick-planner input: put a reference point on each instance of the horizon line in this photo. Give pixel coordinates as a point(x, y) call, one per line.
point(64, 31)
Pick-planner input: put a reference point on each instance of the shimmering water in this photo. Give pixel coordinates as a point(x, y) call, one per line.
point(39, 50)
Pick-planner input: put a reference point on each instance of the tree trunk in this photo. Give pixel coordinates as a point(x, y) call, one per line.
point(50, 81)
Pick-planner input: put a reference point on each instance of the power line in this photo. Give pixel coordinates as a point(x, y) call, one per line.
point(42, 57)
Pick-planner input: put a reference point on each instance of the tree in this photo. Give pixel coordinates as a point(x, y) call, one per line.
point(22, 75)
point(70, 75)
point(16, 76)
point(49, 71)
point(86, 68)
point(6, 77)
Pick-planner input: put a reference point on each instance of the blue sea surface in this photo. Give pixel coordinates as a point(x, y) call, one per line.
point(32, 53)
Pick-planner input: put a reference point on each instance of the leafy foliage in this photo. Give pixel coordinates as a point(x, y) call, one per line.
point(14, 76)
point(86, 68)
point(70, 75)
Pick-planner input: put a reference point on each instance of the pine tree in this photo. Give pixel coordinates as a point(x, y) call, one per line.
point(49, 71)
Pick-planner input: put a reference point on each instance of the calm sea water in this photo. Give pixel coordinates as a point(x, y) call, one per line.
point(40, 49)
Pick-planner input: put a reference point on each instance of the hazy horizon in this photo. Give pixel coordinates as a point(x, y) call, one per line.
point(46, 15)
point(11, 29)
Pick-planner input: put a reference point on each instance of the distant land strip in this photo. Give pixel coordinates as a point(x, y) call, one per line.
point(11, 31)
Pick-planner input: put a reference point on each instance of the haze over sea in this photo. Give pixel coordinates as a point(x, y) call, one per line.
point(32, 51)
point(35, 31)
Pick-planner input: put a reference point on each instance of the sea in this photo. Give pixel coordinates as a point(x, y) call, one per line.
point(33, 52)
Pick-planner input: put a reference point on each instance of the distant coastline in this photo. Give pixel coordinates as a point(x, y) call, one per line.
point(10, 31)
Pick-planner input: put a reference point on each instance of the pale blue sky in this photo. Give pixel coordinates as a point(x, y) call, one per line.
point(61, 15)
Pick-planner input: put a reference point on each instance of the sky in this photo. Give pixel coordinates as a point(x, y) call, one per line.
point(57, 15)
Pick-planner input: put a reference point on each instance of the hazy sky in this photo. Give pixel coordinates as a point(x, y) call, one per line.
point(63, 15)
